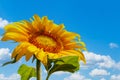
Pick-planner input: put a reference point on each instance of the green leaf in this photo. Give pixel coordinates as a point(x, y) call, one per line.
point(69, 64)
point(26, 72)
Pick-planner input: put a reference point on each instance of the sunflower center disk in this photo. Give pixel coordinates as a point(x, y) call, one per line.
point(46, 41)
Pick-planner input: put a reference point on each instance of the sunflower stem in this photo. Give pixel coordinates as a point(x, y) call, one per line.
point(38, 69)
point(47, 77)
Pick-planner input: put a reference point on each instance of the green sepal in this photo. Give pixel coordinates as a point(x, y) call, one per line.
point(49, 64)
point(26, 72)
point(10, 62)
point(33, 58)
point(69, 64)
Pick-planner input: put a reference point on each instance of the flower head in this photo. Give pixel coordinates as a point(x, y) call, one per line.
point(43, 39)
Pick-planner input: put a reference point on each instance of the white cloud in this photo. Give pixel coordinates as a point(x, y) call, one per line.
point(115, 77)
point(117, 66)
point(107, 62)
point(76, 76)
point(61, 73)
point(58, 72)
point(4, 55)
point(33, 78)
point(3, 22)
point(11, 77)
point(102, 79)
point(99, 72)
point(101, 61)
point(113, 45)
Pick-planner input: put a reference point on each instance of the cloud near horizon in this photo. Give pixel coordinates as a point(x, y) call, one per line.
point(100, 61)
point(11, 77)
point(97, 65)
point(99, 72)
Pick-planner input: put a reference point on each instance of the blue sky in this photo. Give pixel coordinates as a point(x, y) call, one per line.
point(97, 21)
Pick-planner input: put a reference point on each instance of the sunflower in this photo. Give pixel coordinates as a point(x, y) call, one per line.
point(43, 39)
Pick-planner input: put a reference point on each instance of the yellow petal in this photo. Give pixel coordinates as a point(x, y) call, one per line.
point(22, 25)
point(41, 55)
point(48, 26)
point(36, 22)
point(65, 53)
point(28, 56)
point(37, 18)
point(20, 50)
point(53, 55)
point(28, 26)
point(58, 29)
point(30, 51)
point(14, 36)
point(20, 55)
point(78, 53)
point(73, 45)
point(14, 28)
point(44, 20)
point(83, 44)
point(16, 51)
point(69, 36)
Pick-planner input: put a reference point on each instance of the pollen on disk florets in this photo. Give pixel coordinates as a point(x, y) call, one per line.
point(47, 42)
